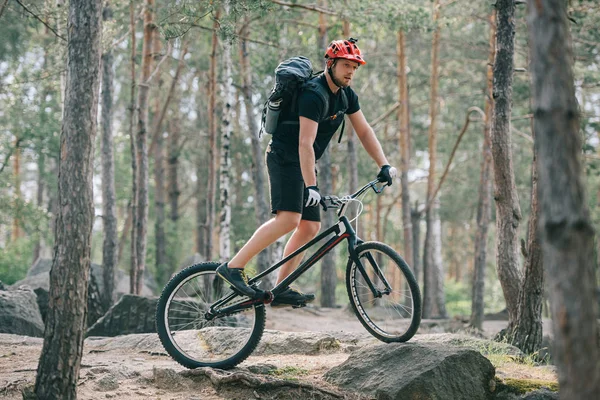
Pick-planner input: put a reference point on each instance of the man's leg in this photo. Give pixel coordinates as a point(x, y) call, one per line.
point(304, 233)
point(283, 223)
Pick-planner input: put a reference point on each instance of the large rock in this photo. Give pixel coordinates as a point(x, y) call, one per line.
point(19, 313)
point(416, 371)
point(131, 314)
point(38, 277)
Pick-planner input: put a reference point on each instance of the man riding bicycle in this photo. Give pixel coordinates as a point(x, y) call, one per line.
point(291, 158)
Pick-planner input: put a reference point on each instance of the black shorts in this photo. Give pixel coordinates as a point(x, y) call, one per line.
point(287, 186)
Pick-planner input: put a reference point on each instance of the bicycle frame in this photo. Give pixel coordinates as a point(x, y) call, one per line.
point(341, 230)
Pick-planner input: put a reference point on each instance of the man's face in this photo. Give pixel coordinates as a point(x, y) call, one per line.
point(343, 72)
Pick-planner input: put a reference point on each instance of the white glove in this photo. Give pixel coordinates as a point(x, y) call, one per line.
point(312, 196)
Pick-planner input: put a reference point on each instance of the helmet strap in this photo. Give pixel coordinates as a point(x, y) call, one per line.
point(330, 72)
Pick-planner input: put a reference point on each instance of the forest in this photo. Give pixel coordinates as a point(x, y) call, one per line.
point(177, 171)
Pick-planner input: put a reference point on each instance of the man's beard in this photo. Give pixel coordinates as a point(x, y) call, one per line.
point(339, 83)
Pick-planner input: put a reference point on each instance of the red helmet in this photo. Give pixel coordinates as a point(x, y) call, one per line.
point(346, 49)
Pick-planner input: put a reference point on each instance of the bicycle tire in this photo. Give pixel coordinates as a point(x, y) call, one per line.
point(366, 307)
point(191, 339)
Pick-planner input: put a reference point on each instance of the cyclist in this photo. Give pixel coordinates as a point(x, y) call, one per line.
point(291, 157)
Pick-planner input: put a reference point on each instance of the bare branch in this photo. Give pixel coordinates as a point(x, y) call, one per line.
point(39, 19)
point(161, 116)
point(306, 7)
point(385, 114)
point(460, 136)
point(2, 7)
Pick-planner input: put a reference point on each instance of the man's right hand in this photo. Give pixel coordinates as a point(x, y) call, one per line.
point(386, 174)
point(312, 196)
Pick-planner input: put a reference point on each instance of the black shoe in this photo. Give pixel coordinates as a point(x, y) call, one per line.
point(292, 297)
point(236, 277)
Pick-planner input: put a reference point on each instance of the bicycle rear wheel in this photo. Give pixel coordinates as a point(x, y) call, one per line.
point(395, 316)
point(192, 339)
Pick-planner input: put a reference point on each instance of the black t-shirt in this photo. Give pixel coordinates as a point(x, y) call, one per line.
point(310, 105)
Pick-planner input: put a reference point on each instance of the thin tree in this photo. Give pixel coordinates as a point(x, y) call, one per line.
point(328, 275)
point(433, 302)
point(225, 160)
point(109, 215)
point(261, 206)
point(158, 151)
point(404, 127)
point(565, 227)
point(134, 163)
point(141, 226)
point(60, 360)
point(484, 201)
point(212, 147)
point(508, 212)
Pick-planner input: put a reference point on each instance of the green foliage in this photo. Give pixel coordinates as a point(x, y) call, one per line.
point(15, 260)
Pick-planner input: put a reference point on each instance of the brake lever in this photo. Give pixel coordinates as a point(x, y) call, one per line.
point(322, 202)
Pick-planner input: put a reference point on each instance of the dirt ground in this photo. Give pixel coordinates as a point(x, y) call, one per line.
point(139, 372)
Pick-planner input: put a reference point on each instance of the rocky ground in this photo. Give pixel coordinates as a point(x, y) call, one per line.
point(136, 367)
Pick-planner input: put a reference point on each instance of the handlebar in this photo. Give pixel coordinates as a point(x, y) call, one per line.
point(336, 202)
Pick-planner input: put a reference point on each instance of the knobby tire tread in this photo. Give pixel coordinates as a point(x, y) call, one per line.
point(412, 282)
point(161, 329)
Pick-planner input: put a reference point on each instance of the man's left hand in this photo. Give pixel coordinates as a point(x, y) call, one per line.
point(387, 174)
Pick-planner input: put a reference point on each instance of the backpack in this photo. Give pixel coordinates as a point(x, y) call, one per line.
point(291, 77)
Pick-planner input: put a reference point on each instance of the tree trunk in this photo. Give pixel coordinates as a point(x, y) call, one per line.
point(484, 203)
point(212, 149)
point(526, 334)
point(415, 220)
point(134, 162)
point(508, 212)
point(261, 205)
point(352, 156)
point(403, 120)
point(565, 227)
point(58, 369)
point(158, 151)
point(109, 216)
point(328, 275)
point(226, 131)
point(142, 145)
point(173, 191)
point(431, 269)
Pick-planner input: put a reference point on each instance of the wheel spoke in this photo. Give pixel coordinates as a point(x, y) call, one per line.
point(394, 316)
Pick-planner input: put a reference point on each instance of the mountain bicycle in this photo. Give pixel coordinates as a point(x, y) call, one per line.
point(202, 322)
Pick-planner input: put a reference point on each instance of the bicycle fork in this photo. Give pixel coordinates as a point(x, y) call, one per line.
point(352, 242)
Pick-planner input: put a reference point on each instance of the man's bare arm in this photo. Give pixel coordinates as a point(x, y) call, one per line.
point(308, 134)
point(367, 138)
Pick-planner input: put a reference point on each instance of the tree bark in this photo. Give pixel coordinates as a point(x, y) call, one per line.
point(212, 148)
point(109, 215)
point(403, 120)
point(526, 334)
point(508, 212)
point(431, 269)
point(484, 202)
point(261, 205)
point(142, 145)
point(58, 369)
point(565, 227)
point(225, 160)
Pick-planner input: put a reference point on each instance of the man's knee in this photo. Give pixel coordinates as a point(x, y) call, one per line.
point(309, 229)
point(288, 220)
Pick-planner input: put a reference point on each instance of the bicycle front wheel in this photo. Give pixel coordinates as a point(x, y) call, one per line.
point(194, 340)
point(393, 313)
